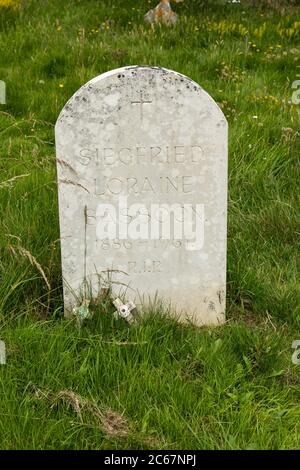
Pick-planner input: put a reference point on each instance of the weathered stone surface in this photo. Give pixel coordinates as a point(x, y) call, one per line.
point(150, 136)
point(2, 92)
point(162, 13)
point(2, 353)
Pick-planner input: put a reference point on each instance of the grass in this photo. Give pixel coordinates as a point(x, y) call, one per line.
point(156, 384)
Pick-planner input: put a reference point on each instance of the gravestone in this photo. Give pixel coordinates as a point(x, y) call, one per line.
point(2, 353)
point(142, 181)
point(2, 92)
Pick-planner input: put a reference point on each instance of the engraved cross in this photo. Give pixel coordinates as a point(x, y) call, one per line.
point(141, 102)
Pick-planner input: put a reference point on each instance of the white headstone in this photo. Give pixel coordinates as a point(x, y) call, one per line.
point(142, 178)
point(2, 353)
point(2, 92)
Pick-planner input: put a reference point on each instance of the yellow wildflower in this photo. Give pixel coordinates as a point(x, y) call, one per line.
point(9, 4)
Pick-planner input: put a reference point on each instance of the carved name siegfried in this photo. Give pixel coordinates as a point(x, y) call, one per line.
point(106, 156)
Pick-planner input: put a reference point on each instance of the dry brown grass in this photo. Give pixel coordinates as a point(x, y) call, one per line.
point(112, 423)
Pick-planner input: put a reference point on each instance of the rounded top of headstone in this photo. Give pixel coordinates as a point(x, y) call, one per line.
point(170, 83)
point(142, 179)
